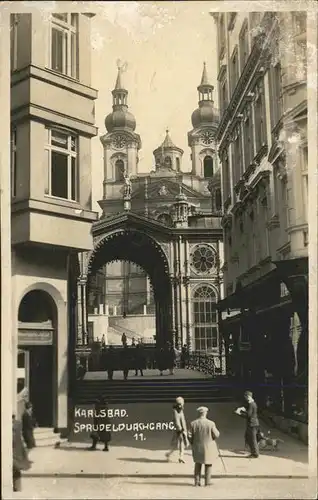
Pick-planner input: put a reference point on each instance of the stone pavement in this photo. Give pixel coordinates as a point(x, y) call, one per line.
point(154, 488)
point(134, 455)
point(138, 469)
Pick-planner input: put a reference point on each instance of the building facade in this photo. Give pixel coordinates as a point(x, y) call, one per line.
point(159, 237)
point(52, 123)
point(262, 144)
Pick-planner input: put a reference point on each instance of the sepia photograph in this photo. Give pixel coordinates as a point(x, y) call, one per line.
point(159, 249)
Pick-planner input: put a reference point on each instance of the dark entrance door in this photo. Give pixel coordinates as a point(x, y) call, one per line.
point(41, 384)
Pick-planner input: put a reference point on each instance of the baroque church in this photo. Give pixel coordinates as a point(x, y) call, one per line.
point(181, 211)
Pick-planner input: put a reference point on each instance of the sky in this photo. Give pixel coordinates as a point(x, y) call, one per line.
point(164, 45)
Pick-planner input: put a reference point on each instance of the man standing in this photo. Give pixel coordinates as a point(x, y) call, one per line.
point(202, 436)
point(179, 438)
point(252, 424)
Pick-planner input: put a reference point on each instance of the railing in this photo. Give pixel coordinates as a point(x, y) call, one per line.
point(210, 364)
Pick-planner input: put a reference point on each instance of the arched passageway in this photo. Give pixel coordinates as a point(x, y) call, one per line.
point(37, 320)
point(142, 250)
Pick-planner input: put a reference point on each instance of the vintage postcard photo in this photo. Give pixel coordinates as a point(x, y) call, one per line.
point(158, 249)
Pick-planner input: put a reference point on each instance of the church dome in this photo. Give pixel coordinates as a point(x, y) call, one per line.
point(120, 118)
point(205, 114)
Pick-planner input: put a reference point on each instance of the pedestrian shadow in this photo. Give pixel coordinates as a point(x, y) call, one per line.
point(144, 460)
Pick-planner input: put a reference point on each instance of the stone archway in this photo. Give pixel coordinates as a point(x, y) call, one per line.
point(143, 250)
point(37, 345)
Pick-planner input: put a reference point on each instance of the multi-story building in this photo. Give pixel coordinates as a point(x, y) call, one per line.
point(262, 140)
point(179, 212)
point(52, 123)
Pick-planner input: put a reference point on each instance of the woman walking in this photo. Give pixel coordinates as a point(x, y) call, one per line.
point(179, 438)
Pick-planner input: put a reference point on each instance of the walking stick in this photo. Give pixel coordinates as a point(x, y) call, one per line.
point(221, 458)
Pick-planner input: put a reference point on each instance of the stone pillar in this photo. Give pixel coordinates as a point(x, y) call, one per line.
point(180, 292)
point(186, 282)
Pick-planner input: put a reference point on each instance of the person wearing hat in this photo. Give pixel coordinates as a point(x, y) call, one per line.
point(100, 434)
point(179, 438)
point(252, 424)
point(202, 436)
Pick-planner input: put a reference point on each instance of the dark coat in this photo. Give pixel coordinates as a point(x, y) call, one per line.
point(19, 453)
point(251, 415)
point(102, 435)
point(139, 357)
point(28, 424)
point(171, 357)
point(161, 359)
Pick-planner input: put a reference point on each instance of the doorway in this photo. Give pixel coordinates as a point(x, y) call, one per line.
point(36, 359)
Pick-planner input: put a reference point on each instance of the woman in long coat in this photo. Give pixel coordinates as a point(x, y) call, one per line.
point(100, 435)
point(28, 425)
point(179, 438)
point(202, 436)
point(20, 459)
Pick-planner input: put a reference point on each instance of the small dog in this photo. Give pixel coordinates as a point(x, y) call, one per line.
point(267, 442)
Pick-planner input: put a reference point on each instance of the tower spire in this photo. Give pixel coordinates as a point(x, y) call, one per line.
point(205, 88)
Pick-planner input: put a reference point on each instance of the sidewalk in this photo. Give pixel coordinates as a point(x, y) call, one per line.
point(131, 457)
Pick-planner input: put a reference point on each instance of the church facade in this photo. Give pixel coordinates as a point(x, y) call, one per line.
point(158, 242)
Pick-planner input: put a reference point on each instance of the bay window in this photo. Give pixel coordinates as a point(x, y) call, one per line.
point(62, 161)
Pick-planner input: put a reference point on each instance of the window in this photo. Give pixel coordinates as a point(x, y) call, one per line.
point(208, 167)
point(304, 171)
point(63, 165)
point(237, 159)
point(119, 170)
point(168, 162)
point(13, 163)
point(64, 44)
point(178, 164)
point(299, 22)
point(243, 47)
point(226, 178)
point(224, 101)
point(218, 200)
point(260, 122)
point(205, 319)
point(222, 34)
point(14, 41)
point(248, 140)
point(275, 94)
point(234, 70)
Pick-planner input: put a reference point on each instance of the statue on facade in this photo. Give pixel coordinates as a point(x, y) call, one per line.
point(127, 186)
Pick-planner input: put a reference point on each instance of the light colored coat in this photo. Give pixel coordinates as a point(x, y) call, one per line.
point(202, 435)
point(180, 432)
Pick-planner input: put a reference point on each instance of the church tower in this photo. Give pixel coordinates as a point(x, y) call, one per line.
point(121, 143)
point(168, 156)
point(201, 139)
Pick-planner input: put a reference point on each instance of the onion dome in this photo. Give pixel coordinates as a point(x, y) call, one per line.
point(120, 116)
point(206, 113)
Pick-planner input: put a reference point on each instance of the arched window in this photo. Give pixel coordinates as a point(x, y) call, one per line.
point(205, 319)
point(218, 199)
point(165, 219)
point(119, 170)
point(168, 162)
point(208, 166)
point(178, 164)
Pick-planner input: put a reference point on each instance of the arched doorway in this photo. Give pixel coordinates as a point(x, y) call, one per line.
point(140, 249)
point(37, 319)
